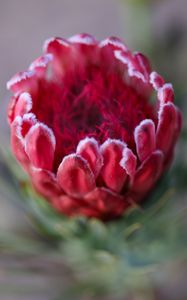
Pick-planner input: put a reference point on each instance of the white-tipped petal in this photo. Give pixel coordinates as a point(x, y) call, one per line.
point(40, 146)
point(89, 150)
point(145, 140)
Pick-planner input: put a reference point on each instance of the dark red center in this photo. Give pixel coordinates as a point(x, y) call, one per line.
point(95, 102)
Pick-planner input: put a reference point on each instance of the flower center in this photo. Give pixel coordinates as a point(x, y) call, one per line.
point(95, 103)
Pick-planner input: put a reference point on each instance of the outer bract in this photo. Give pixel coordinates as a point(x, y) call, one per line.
point(83, 126)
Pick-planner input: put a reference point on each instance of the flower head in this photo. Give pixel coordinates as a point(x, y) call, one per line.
point(85, 129)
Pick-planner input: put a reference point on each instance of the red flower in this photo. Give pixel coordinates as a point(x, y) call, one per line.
point(84, 128)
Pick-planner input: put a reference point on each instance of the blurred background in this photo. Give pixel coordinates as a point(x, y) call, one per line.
point(158, 28)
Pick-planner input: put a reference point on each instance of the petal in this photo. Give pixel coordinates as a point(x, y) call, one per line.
point(176, 134)
point(107, 48)
point(22, 81)
point(112, 173)
point(45, 183)
point(144, 136)
point(55, 45)
point(135, 74)
point(28, 121)
point(75, 176)
point(17, 142)
point(40, 146)
point(129, 162)
point(108, 203)
point(62, 55)
point(89, 150)
point(142, 63)
point(148, 173)
point(131, 64)
point(113, 42)
point(166, 93)
point(11, 108)
point(72, 207)
point(167, 124)
point(123, 56)
point(40, 64)
point(84, 38)
point(85, 49)
point(156, 80)
point(23, 105)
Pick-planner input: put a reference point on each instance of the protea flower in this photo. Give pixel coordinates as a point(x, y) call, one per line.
point(85, 128)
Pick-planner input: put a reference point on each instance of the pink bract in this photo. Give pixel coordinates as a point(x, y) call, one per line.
point(85, 129)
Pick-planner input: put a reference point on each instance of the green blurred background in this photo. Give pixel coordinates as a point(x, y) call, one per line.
point(158, 28)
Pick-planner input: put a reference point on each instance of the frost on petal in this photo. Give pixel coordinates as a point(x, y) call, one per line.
point(62, 54)
point(166, 93)
point(129, 162)
point(55, 45)
point(23, 105)
point(123, 56)
point(84, 38)
point(114, 42)
point(136, 71)
point(17, 142)
point(28, 121)
point(144, 136)
point(75, 176)
point(112, 173)
point(167, 124)
point(45, 183)
point(132, 65)
point(156, 80)
point(11, 108)
point(41, 64)
point(89, 150)
point(148, 173)
point(21, 82)
point(143, 64)
point(40, 146)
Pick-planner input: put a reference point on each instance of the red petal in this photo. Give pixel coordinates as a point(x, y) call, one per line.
point(55, 45)
point(136, 75)
point(156, 80)
point(84, 38)
point(144, 136)
point(11, 108)
point(176, 134)
point(89, 150)
point(40, 64)
point(28, 121)
point(129, 162)
point(130, 62)
point(108, 203)
point(22, 82)
point(75, 176)
point(167, 124)
point(17, 142)
point(73, 207)
point(113, 42)
point(40, 146)
point(45, 183)
point(23, 105)
point(143, 64)
point(62, 55)
point(148, 173)
point(166, 93)
point(113, 174)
